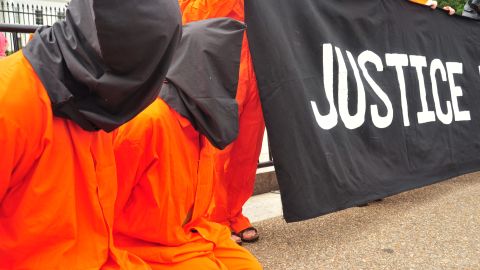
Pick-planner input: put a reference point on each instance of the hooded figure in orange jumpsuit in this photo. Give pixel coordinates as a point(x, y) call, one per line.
point(165, 165)
point(237, 163)
point(73, 83)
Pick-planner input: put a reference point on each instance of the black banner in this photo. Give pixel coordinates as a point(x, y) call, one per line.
point(364, 98)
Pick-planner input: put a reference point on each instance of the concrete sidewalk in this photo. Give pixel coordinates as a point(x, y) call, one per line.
point(435, 227)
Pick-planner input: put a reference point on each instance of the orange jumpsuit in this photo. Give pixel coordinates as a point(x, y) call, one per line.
point(422, 2)
point(57, 183)
point(165, 172)
point(238, 162)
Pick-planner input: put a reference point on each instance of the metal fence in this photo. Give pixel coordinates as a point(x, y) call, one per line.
point(29, 15)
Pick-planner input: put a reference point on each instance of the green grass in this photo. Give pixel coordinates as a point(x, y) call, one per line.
point(456, 4)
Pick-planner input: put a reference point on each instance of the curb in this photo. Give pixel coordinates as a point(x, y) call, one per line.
point(265, 182)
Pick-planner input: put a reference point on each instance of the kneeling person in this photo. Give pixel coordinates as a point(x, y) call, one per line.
point(166, 164)
point(59, 99)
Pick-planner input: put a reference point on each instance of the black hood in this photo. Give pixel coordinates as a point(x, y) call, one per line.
point(106, 61)
point(202, 81)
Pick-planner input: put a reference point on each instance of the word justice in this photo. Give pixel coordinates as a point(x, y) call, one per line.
point(447, 73)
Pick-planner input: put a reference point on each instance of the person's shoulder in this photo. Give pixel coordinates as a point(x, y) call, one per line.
point(23, 99)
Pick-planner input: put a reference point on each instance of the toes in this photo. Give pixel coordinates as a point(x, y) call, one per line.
point(249, 234)
point(236, 239)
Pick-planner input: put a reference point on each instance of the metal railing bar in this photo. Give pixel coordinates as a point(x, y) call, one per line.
point(17, 28)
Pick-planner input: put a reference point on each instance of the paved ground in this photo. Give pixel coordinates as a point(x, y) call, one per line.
point(436, 227)
point(264, 206)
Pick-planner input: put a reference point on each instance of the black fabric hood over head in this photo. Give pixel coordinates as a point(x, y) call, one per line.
point(202, 81)
point(107, 60)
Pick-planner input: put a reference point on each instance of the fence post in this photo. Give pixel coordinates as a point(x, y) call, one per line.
point(3, 12)
point(16, 46)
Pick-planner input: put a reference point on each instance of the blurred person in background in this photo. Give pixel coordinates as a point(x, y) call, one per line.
point(472, 9)
point(3, 45)
point(433, 5)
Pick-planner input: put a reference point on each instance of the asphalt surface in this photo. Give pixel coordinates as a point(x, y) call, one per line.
point(435, 227)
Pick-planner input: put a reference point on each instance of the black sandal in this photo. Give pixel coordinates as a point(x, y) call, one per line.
point(249, 240)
